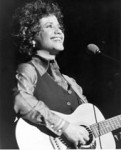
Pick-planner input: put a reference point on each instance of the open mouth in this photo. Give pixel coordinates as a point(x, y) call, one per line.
point(58, 39)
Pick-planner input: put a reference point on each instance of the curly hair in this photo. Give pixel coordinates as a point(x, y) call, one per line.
point(26, 22)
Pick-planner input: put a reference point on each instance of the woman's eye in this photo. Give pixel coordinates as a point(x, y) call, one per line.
point(60, 27)
point(49, 26)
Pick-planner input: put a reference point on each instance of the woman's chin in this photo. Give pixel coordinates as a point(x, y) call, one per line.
point(56, 51)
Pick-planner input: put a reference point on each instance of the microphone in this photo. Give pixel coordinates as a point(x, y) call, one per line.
point(95, 49)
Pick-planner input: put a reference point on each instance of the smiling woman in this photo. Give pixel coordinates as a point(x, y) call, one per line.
point(50, 37)
point(27, 23)
point(86, 21)
point(40, 85)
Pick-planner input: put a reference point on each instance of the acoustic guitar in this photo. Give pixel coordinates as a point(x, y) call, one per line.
point(30, 137)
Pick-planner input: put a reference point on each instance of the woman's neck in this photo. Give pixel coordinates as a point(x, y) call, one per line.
point(45, 54)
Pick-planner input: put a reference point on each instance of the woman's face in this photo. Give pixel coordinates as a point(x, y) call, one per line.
point(50, 37)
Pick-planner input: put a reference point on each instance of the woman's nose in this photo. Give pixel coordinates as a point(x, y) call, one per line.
point(57, 30)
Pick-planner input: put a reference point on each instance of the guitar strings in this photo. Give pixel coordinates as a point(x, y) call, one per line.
point(98, 127)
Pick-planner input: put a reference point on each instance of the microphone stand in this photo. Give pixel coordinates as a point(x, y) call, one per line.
point(99, 52)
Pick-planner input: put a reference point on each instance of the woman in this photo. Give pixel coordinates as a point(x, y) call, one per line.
point(40, 85)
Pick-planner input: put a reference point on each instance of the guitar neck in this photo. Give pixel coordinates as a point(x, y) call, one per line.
point(106, 126)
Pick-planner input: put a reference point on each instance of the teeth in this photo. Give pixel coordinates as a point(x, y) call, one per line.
point(57, 39)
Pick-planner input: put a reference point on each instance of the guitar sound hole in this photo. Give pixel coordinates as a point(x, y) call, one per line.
point(90, 135)
point(89, 144)
point(66, 142)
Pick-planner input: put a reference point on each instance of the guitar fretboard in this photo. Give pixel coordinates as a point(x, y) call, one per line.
point(106, 126)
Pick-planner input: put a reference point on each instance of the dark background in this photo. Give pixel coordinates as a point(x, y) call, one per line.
point(86, 21)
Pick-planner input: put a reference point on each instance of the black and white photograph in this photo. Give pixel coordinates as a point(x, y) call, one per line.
point(60, 74)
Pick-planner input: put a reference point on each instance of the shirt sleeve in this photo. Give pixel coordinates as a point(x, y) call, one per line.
point(29, 107)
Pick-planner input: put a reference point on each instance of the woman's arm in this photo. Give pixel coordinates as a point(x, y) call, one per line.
point(31, 108)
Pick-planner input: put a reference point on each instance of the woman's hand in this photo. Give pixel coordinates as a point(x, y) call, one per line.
point(76, 134)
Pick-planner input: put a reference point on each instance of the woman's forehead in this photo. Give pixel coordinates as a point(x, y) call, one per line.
point(49, 19)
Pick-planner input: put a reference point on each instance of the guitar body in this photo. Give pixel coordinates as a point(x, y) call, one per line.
point(30, 137)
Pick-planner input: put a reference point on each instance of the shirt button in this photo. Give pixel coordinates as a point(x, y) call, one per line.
point(59, 130)
point(52, 126)
point(69, 91)
point(68, 103)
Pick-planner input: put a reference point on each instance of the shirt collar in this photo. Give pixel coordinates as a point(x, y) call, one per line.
point(45, 54)
point(41, 64)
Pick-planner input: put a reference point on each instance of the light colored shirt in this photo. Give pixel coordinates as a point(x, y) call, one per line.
point(28, 106)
